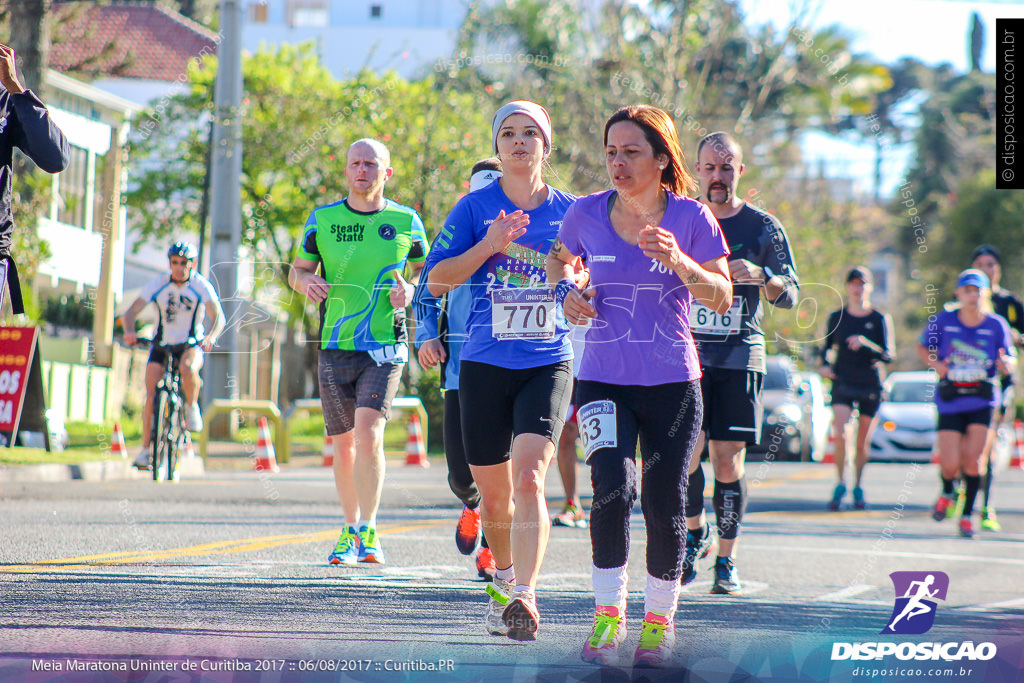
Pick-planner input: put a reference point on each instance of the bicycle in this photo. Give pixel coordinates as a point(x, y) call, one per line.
point(168, 432)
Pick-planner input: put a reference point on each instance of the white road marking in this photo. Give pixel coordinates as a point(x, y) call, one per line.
point(845, 593)
point(973, 559)
point(993, 606)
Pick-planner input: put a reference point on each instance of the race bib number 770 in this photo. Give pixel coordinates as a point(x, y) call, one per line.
point(523, 313)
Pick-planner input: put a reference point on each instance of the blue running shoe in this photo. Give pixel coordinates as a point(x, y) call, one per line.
point(726, 580)
point(837, 497)
point(345, 550)
point(369, 546)
point(859, 503)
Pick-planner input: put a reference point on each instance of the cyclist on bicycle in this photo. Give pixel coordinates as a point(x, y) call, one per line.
point(177, 296)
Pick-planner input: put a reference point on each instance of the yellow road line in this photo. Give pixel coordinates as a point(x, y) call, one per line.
point(217, 548)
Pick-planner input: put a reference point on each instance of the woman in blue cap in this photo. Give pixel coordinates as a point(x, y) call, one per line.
point(968, 348)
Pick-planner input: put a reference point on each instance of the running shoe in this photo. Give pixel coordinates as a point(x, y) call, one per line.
point(521, 616)
point(657, 638)
point(193, 418)
point(467, 531)
point(958, 510)
point(142, 459)
point(696, 549)
point(498, 592)
point(966, 527)
point(837, 497)
point(988, 519)
point(485, 566)
point(346, 549)
point(369, 546)
point(942, 507)
point(602, 647)
point(858, 499)
point(727, 582)
point(571, 516)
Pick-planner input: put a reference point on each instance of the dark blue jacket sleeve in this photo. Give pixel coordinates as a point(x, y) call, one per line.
point(37, 135)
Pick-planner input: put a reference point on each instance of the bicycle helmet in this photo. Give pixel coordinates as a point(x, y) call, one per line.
point(183, 249)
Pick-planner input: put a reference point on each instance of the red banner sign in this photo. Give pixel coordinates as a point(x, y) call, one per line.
point(17, 347)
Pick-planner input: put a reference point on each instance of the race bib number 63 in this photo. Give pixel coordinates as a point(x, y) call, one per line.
point(597, 427)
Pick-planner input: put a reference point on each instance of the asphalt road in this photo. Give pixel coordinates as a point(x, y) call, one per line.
point(201, 579)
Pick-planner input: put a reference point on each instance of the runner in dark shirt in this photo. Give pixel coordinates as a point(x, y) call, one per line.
point(858, 339)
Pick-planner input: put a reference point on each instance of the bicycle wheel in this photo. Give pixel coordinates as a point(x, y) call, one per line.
point(159, 443)
point(175, 439)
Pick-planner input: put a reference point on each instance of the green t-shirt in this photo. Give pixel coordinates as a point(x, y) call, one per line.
point(359, 254)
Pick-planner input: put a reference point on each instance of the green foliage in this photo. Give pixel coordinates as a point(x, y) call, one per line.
point(75, 312)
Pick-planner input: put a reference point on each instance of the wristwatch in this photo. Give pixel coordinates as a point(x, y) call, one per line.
point(768, 275)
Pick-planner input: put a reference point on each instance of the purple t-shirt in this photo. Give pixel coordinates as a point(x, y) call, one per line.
point(641, 335)
point(971, 353)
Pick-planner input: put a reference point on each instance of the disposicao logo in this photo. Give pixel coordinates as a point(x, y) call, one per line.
point(913, 614)
point(916, 592)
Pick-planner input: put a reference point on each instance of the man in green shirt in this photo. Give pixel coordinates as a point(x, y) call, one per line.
point(360, 245)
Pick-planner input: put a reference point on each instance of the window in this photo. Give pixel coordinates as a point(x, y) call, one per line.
point(376, 11)
point(308, 13)
point(258, 13)
point(73, 188)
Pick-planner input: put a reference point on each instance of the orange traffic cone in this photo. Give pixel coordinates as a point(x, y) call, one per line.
point(328, 451)
point(415, 453)
point(265, 458)
point(117, 442)
point(1017, 460)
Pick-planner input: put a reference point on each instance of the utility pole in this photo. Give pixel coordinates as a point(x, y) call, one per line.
point(221, 370)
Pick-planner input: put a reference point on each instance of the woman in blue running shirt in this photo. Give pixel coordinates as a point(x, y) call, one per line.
point(967, 348)
point(516, 371)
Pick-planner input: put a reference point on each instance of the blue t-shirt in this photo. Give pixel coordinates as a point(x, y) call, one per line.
point(971, 353)
point(427, 309)
point(500, 281)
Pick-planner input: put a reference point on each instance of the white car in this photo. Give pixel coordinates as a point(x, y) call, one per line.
point(907, 420)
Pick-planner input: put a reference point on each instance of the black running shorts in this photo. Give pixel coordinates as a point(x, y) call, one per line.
point(959, 422)
point(732, 404)
point(498, 404)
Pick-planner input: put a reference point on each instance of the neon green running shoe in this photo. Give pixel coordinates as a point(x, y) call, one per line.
point(346, 549)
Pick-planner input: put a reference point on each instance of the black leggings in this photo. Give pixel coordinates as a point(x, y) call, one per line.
point(460, 478)
point(666, 419)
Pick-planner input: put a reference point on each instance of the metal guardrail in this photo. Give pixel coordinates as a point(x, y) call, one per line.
point(313, 405)
point(267, 408)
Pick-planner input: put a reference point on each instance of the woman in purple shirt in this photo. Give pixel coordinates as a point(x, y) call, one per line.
point(650, 252)
point(966, 347)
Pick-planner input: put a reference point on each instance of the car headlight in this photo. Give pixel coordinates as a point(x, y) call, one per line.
point(786, 413)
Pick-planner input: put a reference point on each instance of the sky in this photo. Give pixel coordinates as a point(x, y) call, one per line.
point(933, 31)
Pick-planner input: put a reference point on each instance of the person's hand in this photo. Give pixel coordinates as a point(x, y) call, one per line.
point(744, 272)
point(8, 71)
point(941, 368)
point(577, 306)
point(401, 292)
point(131, 339)
point(660, 244)
point(431, 353)
point(315, 288)
point(826, 372)
point(1001, 365)
point(506, 229)
point(855, 341)
point(207, 344)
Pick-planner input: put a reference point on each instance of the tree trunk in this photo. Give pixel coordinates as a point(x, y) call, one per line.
point(30, 38)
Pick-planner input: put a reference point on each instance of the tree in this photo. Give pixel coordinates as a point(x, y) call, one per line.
point(298, 124)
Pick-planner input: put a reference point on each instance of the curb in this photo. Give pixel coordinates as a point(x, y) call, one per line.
point(101, 470)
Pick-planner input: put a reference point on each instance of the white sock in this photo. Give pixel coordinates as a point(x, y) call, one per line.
point(522, 588)
point(365, 524)
point(507, 575)
point(661, 597)
point(610, 585)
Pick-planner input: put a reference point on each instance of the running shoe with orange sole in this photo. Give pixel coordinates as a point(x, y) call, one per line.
point(467, 531)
